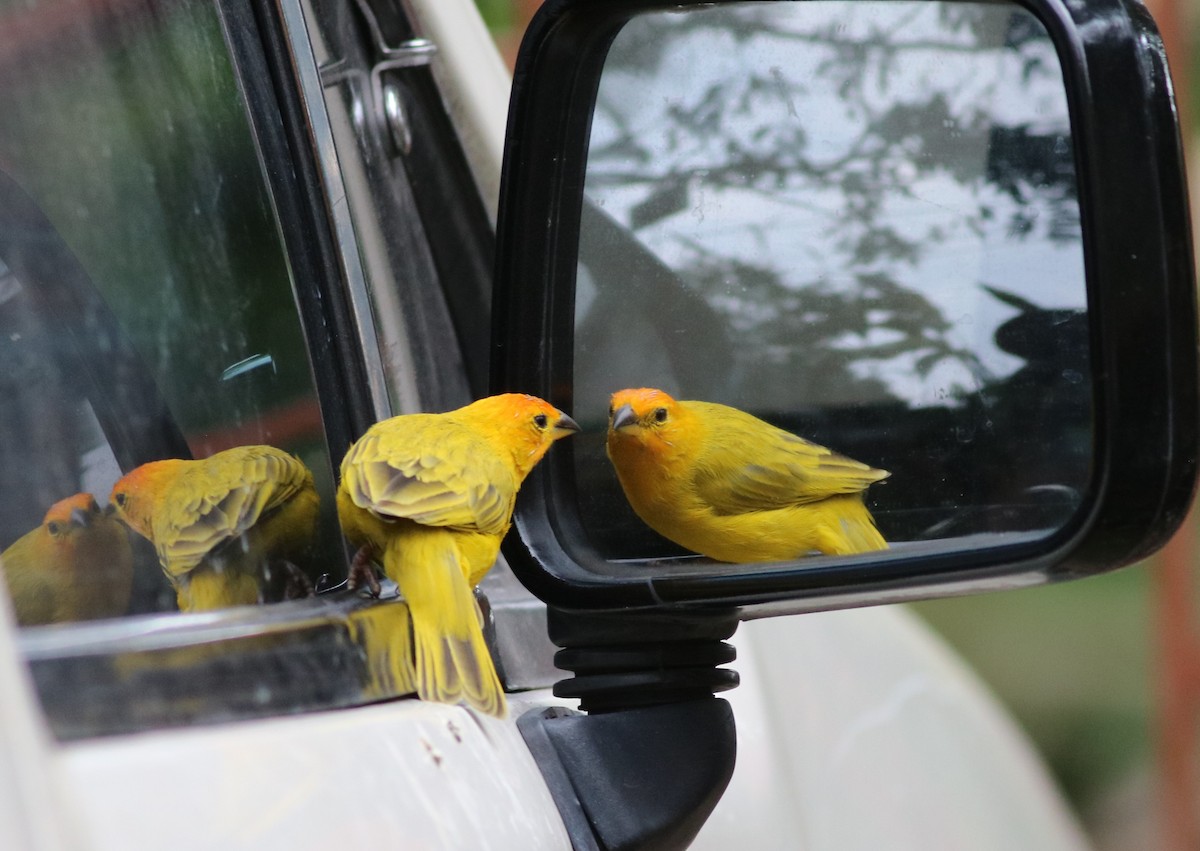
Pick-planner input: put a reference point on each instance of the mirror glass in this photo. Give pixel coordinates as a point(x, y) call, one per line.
point(859, 223)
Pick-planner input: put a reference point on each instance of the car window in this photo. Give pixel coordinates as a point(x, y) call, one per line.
point(146, 308)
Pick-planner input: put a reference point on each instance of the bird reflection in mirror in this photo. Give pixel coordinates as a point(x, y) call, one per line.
point(223, 525)
point(76, 566)
point(732, 487)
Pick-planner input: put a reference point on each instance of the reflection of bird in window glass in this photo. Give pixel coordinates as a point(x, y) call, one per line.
point(77, 565)
point(221, 524)
point(735, 488)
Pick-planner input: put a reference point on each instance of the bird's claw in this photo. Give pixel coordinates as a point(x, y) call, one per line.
point(362, 573)
point(297, 585)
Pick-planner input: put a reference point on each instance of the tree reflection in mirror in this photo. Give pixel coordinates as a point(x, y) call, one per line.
point(859, 222)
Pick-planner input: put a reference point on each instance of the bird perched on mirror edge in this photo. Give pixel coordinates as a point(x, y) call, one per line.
point(732, 487)
point(430, 496)
point(221, 524)
point(76, 566)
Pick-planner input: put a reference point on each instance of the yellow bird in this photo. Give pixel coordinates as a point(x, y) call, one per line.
point(221, 524)
point(76, 566)
point(431, 496)
point(733, 487)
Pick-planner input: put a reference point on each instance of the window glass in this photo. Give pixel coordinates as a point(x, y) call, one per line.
point(859, 222)
point(146, 312)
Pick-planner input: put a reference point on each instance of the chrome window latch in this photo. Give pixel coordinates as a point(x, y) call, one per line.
point(387, 104)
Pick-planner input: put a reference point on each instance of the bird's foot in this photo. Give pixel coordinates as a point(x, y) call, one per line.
point(362, 572)
point(296, 584)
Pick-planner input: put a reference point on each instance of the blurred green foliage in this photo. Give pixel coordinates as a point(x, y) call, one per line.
point(497, 14)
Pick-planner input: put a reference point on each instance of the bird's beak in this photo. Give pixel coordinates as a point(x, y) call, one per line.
point(565, 427)
point(79, 517)
point(623, 417)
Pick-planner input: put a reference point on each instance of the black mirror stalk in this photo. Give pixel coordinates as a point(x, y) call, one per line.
point(646, 765)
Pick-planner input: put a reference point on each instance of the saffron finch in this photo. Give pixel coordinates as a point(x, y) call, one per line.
point(730, 486)
point(431, 496)
point(220, 524)
point(77, 565)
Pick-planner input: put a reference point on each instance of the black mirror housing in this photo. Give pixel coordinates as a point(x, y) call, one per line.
point(1140, 315)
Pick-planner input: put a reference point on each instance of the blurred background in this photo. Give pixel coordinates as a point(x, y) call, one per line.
point(1103, 674)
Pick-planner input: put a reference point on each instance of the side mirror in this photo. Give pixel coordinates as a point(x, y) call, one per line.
point(949, 240)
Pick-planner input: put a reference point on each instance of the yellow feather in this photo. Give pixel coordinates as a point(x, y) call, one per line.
point(452, 660)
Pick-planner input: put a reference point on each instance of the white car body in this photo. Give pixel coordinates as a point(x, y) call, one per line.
point(856, 730)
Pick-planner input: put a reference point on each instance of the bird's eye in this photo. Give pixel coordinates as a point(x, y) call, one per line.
point(660, 415)
point(54, 527)
point(119, 499)
point(540, 421)
point(610, 412)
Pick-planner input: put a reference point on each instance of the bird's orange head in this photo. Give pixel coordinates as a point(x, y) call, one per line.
point(68, 516)
point(520, 423)
point(643, 417)
point(137, 493)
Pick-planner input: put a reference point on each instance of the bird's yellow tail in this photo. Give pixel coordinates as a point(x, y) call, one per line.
point(452, 661)
point(847, 527)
